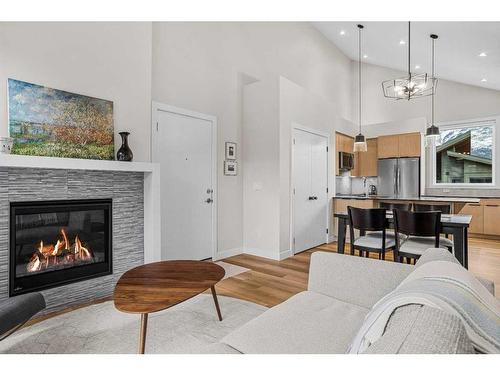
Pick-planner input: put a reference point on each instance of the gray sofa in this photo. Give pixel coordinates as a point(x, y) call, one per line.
point(16, 311)
point(341, 291)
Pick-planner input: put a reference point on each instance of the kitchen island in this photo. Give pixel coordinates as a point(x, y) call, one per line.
point(425, 198)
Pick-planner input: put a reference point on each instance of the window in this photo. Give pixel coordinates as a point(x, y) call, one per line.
point(464, 154)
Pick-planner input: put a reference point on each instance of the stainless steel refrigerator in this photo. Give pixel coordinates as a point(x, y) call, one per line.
point(399, 178)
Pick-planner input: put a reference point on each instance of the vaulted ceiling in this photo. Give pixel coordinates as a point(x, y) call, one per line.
point(457, 49)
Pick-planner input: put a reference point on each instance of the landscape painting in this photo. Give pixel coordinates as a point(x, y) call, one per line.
point(49, 122)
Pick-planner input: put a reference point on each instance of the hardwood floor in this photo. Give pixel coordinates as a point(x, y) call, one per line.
point(271, 282)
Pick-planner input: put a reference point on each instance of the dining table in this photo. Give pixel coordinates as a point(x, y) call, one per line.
point(453, 224)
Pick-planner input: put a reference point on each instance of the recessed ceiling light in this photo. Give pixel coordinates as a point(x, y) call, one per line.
point(402, 42)
point(484, 80)
point(342, 32)
point(417, 66)
point(483, 54)
point(365, 56)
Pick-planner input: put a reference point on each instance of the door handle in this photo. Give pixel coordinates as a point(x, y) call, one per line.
point(313, 198)
point(209, 200)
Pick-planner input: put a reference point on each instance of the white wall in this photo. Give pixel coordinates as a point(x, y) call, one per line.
point(261, 169)
point(198, 66)
point(110, 60)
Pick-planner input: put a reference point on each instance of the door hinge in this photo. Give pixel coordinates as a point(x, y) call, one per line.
point(156, 125)
point(294, 190)
point(326, 148)
point(294, 241)
point(327, 190)
point(326, 230)
point(294, 141)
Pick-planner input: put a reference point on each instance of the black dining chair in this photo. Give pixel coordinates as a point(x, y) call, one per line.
point(445, 210)
point(371, 220)
point(398, 206)
point(422, 231)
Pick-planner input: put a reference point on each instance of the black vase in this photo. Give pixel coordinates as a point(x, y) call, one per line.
point(124, 153)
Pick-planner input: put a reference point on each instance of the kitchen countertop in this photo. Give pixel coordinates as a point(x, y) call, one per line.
point(421, 198)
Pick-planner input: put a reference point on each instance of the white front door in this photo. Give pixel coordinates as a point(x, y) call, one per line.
point(310, 183)
point(183, 145)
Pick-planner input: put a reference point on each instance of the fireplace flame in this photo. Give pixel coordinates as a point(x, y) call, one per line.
point(63, 253)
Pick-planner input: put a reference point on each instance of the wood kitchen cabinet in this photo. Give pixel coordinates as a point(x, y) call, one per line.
point(477, 212)
point(344, 143)
point(399, 145)
point(409, 145)
point(366, 163)
point(485, 216)
point(342, 204)
point(388, 146)
point(491, 217)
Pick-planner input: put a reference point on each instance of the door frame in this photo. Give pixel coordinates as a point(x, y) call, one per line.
point(296, 126)
point(161, 107)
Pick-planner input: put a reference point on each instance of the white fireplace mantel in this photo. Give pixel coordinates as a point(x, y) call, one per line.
point(152, 213)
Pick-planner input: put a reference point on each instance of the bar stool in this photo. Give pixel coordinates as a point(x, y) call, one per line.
point(422, 230)
point(373, 220)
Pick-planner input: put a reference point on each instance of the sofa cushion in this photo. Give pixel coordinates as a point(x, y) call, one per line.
point(308, 322)
point(417, 329)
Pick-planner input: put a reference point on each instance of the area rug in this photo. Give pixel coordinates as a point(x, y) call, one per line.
point(189, 327)
point(231, 269)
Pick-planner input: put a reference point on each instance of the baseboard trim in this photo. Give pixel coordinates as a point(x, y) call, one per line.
point(228, 253)
point(285, 254)
point(261, 253)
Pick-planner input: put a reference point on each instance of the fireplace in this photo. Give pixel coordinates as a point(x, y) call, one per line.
point(58, 242)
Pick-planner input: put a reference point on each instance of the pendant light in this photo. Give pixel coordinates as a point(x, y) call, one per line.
point(359, 141)
point(433, 130)
point(413, 85)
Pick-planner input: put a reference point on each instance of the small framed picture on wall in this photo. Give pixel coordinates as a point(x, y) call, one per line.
point(230, 151)
point(230, 168)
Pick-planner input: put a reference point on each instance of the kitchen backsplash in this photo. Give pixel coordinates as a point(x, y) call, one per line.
point(345, 184)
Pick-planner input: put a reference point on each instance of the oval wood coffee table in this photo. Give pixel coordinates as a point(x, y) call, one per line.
point(157, 286)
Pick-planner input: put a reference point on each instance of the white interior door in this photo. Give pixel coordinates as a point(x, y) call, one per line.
point(310, 183)
point(183, 145)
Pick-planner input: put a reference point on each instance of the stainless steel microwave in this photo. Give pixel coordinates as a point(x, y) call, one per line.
point(346, 161)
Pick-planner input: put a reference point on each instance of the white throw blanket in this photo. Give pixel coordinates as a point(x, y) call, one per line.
point(446, 286)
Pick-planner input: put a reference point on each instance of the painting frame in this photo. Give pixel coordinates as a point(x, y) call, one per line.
point(230, 150)
point(45, 121)
point(230, 168)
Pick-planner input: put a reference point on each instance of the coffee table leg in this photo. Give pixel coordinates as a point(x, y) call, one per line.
point(144, 328)
point(216, 302)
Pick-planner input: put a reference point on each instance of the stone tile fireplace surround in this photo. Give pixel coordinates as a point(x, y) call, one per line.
point(133, 214)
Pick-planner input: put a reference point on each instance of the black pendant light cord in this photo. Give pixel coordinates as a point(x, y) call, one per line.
point(432, 68)
point(409, 57)
point(433, 37)
point(359, 74)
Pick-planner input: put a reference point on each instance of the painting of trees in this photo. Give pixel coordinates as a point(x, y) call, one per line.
point(49, 122)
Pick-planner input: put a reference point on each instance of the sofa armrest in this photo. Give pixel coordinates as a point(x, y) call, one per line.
point(488, 284)
point(361, 281)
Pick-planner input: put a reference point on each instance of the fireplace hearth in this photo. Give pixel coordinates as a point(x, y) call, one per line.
point(58, 242)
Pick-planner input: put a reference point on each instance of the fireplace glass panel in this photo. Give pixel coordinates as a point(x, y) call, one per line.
point(58, 242)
